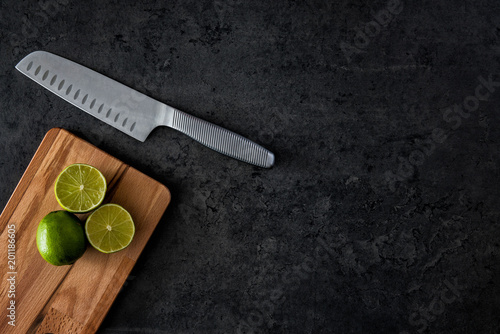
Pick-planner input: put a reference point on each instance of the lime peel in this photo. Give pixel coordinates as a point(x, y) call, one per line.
point(60, 238)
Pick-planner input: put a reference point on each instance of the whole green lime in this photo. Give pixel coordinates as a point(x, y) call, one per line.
point(60, 238)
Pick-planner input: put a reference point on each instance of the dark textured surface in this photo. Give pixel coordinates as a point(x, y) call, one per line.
point(381, 213)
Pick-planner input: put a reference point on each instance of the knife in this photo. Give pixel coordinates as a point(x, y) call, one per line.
point(131, 111)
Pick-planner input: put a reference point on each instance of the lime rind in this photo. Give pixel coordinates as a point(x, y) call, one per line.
point(110, 228)
point(80, 188)
point(60, 238)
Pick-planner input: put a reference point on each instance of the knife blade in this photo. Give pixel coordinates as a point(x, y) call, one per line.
point(131, 111)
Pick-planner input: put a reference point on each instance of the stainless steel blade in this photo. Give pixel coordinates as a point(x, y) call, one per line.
point(130, 111)
point(94, 93)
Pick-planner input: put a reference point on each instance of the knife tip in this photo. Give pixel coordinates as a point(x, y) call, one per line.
point(29, 57)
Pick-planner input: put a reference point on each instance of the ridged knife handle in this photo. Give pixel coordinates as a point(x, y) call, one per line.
point(222, 140)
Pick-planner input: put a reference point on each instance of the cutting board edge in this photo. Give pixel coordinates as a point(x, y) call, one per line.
point(26, 178)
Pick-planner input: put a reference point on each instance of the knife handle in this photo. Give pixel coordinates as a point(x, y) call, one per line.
point(222, 140)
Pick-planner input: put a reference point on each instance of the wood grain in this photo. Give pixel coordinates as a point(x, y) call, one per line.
point(76, 298)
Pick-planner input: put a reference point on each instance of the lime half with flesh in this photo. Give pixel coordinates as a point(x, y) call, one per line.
point(80, 188)
point(110, 228)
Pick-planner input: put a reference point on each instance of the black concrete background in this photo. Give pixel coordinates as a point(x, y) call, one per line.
point(381, 214)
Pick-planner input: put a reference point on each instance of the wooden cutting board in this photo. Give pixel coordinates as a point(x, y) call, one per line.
point(69, 299)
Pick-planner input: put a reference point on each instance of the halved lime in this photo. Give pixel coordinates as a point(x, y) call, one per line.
point(110, 228)
point(80, 188)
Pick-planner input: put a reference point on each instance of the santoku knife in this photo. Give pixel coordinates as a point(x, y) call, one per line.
point(130, 111)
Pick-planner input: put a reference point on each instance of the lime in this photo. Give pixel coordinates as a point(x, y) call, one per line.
point(60, 238)
point(80, 188)
point(110, 228)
